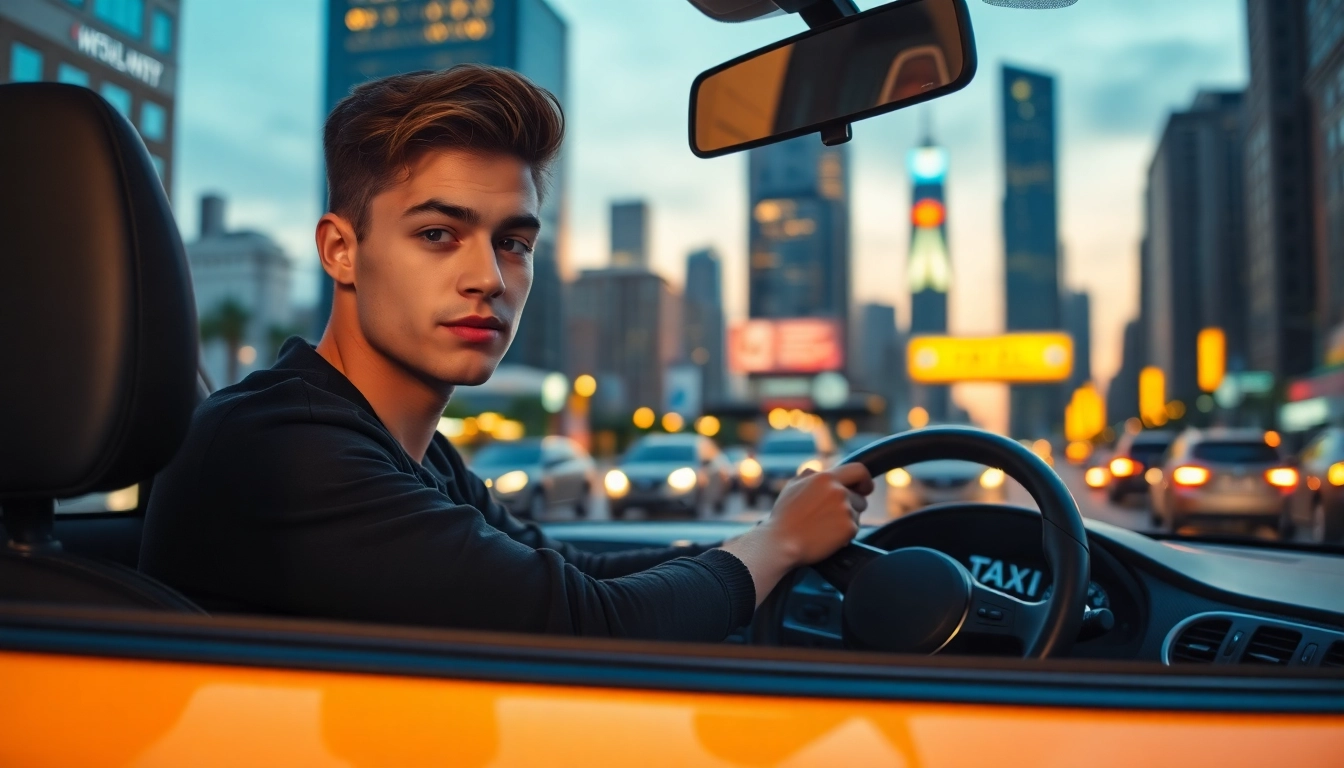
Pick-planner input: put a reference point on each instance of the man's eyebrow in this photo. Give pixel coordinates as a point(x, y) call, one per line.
point(520, 221)
point(434, 205)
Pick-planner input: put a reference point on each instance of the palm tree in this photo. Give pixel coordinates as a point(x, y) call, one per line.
point(227, 323)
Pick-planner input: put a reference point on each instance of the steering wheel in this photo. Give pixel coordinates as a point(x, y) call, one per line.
point(919, 600)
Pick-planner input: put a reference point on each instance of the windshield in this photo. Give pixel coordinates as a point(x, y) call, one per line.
point(503, 454)
point(653, 452)
point(1235, 453)
point(1157, 187)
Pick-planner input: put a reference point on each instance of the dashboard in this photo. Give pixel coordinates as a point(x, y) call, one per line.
point(1173, 601)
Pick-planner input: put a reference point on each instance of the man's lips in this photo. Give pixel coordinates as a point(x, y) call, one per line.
point(476, 329)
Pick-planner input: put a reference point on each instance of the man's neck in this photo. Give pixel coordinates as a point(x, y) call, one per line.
point(408, 406)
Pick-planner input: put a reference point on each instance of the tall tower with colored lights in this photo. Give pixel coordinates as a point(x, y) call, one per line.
point(929, 270)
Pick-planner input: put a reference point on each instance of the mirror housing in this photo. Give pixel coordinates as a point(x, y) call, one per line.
point(886, 58)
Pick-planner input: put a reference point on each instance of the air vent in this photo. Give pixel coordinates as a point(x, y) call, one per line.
point(1199, 643)
point(1271, 645)
point(1335, 656)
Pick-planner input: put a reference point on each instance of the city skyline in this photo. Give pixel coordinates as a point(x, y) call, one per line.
point(1113, 106)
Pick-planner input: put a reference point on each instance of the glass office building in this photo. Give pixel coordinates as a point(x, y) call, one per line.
point(126, 50)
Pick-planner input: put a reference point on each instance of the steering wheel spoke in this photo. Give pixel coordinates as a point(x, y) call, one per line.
point(992, 616)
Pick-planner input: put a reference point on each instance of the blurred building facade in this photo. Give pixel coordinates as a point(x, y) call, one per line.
point(124, 50)
point(1122, 395)
point(703, 321)
point(1278, 171)
point(242, 284)
point(630, 234)
point(1325, 90)
point(929, 265)
point(626, 326)
point(879, 361)
point(1031, 234)
point(367, 40)
point(1195, 270)
point(1076, 311)
point(798, 233)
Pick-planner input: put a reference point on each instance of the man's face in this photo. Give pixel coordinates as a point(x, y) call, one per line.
point(445, 264)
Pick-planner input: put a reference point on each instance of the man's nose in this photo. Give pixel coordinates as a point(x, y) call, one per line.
point(480, 275)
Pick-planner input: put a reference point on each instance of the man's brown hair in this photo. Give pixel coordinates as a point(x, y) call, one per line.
point(374, 134)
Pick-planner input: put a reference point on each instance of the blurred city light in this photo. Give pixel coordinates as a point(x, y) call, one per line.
point(554, 391)
point(1153, 396)
point(811, 465)
point(123, 500)
point(247, 355)
point(488, 422)
point(673, 422)
point(918, 417)
point(778, 418)
point(707, 426)
point(1122, 467)
point(1272, 439)
point(512, 482)
point(616, 483)
point(1078, 451)
point(1190, 476)
point(683, 479)
point(750, 470)
point(509, 430)
point(644, 417)
point(1175, 410)
point(585, 386)
point(845, 429)
point(992, 478)
point(898, 478)
point(1335, 474)
point(1153, 476)
point(451, 428)
point(1096, 477)
point(1282, 477)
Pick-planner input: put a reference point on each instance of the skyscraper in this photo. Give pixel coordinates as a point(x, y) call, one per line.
point(702, 312)
point(1030, 234)
point(798, 236)
point(1076, 308)
point(630, 234)
point(627, 329)
point(366, 41)
point(879, 364)
point(126, 51)
point(1279, 215)
point(1122, 395)
point(1325, 70)
point(1194, 272)
point(929, 267)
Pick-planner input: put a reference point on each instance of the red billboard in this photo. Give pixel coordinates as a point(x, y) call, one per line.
point(795, 345)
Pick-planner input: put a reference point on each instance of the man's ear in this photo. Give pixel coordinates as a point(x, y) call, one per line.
point(337, 247)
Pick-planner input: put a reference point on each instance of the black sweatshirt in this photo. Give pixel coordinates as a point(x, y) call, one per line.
point(290, 497)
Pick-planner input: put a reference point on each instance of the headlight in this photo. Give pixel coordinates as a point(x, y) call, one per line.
point(617, 484)
point(682, 480)
point(750, 470)
point(898, 478)
point(511, 482)
point(812, 464)
point(991, 478)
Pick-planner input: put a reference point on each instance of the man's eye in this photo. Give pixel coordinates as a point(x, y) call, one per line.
point(436, 235)
point(515, 246)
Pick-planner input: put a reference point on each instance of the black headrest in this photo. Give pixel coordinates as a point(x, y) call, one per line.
point(97, 320)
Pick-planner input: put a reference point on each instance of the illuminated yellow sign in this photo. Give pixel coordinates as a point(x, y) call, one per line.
point(1211, 356)
point(1014, 358)
point(1153, 396)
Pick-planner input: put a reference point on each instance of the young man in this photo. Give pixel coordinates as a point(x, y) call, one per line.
point(320, 487)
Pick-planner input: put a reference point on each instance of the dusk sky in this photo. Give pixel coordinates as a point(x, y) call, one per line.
point(249, 119)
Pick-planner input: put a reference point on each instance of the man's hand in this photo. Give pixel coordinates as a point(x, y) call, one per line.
point(816, 514)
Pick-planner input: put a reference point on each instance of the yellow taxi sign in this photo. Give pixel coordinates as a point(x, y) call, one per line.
point(1012, 358)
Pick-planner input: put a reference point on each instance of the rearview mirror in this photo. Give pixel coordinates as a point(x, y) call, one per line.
point(881, 60)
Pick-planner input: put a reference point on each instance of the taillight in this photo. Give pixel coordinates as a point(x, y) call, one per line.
point(1122, 467)
point(1190, 476)
point(1095, 477)
point(1282, 477)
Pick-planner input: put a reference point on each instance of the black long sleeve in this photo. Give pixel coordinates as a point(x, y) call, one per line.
point(290, 497)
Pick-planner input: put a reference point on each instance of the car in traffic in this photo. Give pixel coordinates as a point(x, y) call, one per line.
point(783, 453)
point(1318, 505)
point(532, 475)
point(1135, 453)
point(938, 482)
point(1221, 474)
point(684, 474)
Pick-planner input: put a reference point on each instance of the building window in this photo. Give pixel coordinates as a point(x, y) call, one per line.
point(161, 31)
point(72, 75)
point(126, 15)
point(118, 97)
point(153, 121)
point(25, 64)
